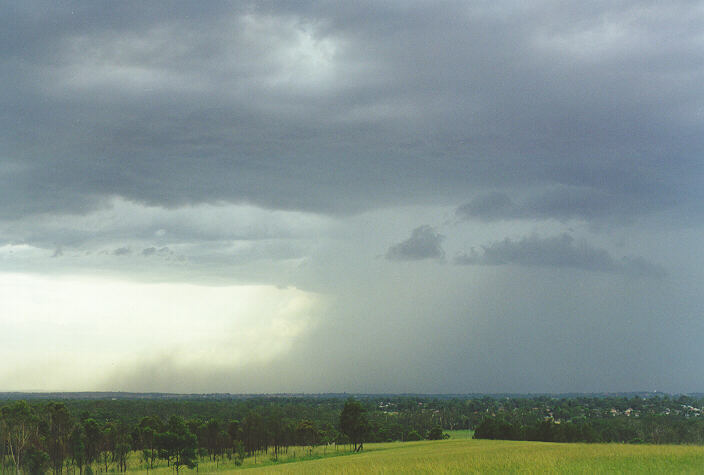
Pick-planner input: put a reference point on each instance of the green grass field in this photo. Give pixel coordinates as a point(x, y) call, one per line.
point(483, 456)
point(461, 454)
point(459, 434)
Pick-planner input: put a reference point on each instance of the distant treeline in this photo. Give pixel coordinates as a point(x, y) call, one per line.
point(649, 429)
point(656, 420)
point(89, 434)
point(99, 435)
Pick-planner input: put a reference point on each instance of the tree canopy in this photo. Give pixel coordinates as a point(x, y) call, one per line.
point(354, 423)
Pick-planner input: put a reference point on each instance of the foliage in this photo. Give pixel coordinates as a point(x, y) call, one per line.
point(437, 434)
point(36, 461)
point(90, 435)
point(19, 427)
point(354, 423)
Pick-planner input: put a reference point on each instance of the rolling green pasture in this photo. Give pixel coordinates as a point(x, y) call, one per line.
point(487, 456)
point(461, 454)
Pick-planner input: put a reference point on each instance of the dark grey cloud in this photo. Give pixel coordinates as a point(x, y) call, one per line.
point(121, 251)
point(337, 108)
point(144, 126)
point(424, 243)
point(558, 202)
point(557, 251)
point(490, 206)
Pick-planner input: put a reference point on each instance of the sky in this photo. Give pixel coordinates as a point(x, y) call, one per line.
point(425, 197)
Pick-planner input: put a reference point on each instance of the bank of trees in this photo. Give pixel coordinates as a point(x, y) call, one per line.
point(653, 429)
point(41, 438)
point(38, 436)
point(643, 418)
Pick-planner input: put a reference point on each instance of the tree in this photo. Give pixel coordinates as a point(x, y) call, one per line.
point(254, 432)
point(107, 445)
point(238, 448)
point(210, 432)
point(20, 426)
point(77, 447)
point(354, 423)
point(121, 445)
point(147, 437)
point(436, 433)
point(36, 461)
point(147, 430)
point(59, 431)
point(179, 443)
point(233, 429)
point(166, 443)
point(307, 434)
point(186, 445)
point(93, 440)
point(222, 443)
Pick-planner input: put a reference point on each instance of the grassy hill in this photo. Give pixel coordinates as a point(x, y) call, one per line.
point(484, 456)
point(462, 454)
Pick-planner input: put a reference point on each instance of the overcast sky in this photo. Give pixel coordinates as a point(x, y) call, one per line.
point(345, 196)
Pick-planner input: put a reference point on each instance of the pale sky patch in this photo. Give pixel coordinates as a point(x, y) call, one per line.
point(65, 326)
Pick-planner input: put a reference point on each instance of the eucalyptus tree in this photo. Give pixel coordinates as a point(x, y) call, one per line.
point(77, 447)
point(58, 434)
point(120, 446)
point(354, 423)
point(107, 445)
point(275, 429)
point(181, 444)
point(20, 426)
point(147, 430)
point(254, 432)
point(307, 434)
point(93, 440)
point(210, 433)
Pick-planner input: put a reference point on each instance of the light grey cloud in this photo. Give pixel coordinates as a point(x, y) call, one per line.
point(640, 266)
point(121, 251)
point(153, 251)
point(557, 251)
point(209, 236)
point(424, 243)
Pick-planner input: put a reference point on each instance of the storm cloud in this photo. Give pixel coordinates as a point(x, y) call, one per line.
point(557, 251)
point(562, 203)
point(263, 171)
point(424, 243)
point(250, 102)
